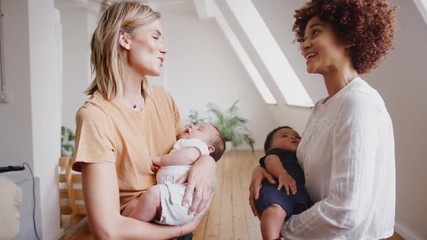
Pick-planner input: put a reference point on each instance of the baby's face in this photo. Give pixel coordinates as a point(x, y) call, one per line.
point(202, 131)
point(286, 139)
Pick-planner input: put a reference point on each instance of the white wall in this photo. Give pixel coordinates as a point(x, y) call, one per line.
point(402, 82)
point(15, 127)
point(30, 121)
point(278, 16)
point(202, 67)
point(44, 29)
point(77, 25)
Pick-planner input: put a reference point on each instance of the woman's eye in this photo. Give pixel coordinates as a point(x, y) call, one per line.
point(156, 37)
point(315, 32)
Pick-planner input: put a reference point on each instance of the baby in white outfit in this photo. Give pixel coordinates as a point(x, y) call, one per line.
point(163, 202)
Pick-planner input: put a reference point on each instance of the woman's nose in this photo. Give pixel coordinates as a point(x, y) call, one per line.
point(305, 44)
point(163, 49)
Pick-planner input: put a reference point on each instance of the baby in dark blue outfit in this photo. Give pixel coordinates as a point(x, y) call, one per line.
point(277, 202)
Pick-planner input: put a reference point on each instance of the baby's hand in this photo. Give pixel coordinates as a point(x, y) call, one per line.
point(288, 182)
point(156, 161)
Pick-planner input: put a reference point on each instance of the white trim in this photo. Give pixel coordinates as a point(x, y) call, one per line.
point(422, 7)
point(405, 233)
point(202, 9)
point(243, 56)
point(269, 52)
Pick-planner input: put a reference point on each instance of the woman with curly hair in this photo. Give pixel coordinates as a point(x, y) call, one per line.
point(347, 148)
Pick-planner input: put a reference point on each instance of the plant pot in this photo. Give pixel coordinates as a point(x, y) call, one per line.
point(228, 146)
point(65, 153)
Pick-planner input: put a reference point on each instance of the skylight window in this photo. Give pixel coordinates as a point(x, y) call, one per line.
point(422, 7)
point(267, 50)
point(244, 58)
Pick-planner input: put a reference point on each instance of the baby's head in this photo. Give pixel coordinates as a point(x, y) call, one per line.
point(282, 137)
point(209, 134)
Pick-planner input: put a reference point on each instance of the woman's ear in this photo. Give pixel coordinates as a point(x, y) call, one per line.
point(348, 45)
point(124, 40)
point(347, 48)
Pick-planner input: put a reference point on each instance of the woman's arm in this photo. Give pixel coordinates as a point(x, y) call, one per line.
point(101, 195)
point(258, 175)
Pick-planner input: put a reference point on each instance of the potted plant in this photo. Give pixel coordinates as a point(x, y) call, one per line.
point(67, 141)
point(195, 117)
point(231, 124)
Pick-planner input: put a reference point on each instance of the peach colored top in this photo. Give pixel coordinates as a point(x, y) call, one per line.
point(109, 132)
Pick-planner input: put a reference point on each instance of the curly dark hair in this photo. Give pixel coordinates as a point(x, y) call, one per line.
point(369, 26)
point(269, 138)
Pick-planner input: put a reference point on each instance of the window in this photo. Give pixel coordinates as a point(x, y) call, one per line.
point(259, 52)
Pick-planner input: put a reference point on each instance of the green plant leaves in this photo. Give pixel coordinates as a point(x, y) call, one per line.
point(230, 123)
point(67, 141)
point(194, 117)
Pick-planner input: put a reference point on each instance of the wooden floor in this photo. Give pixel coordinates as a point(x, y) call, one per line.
point(230, 216)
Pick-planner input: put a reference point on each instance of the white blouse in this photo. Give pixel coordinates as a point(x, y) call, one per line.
point(347, 153)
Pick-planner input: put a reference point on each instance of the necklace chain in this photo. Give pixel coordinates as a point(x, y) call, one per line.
point(134, 104)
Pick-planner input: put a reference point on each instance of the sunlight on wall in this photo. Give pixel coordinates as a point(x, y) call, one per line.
point(422, 7)
point(270, 53)
point(244, 58)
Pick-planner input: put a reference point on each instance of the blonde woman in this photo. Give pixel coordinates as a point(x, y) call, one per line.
point(125, 122)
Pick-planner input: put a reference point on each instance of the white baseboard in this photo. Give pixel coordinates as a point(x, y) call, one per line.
point(405, 233)
point(59, 234)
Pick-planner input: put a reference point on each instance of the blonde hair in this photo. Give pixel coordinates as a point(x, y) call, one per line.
point(106, 52)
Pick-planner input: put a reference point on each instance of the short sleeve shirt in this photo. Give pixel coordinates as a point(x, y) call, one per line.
point(109, 132)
